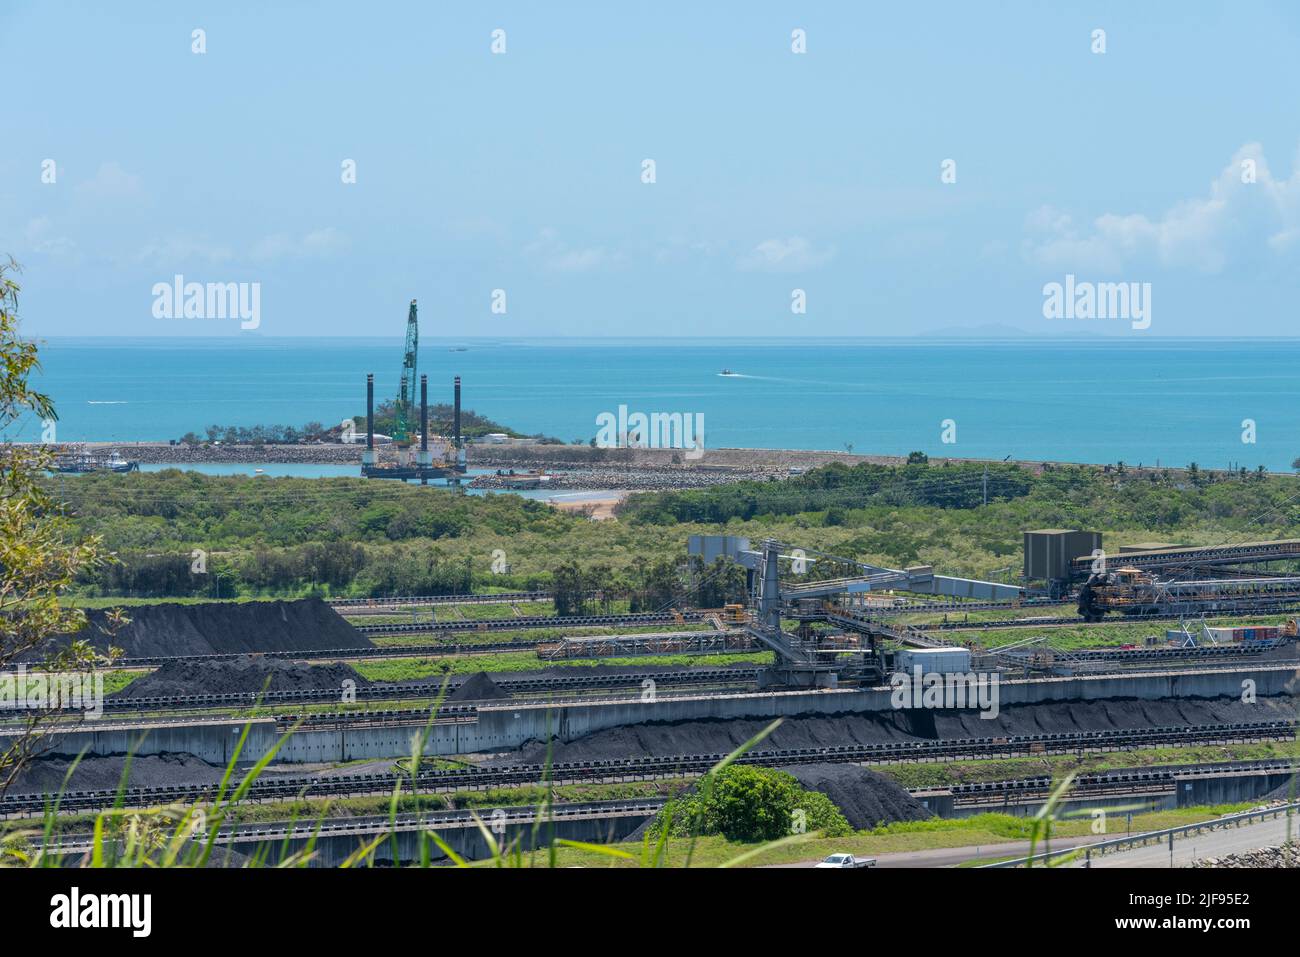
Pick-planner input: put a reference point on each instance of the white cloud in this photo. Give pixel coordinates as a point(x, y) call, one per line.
point(174, 252)
point(41, 238)
point(555, 255)
point(785, 255)
point(1236, 219)
point(110, 181)
point(317, 244)
point(177, 251)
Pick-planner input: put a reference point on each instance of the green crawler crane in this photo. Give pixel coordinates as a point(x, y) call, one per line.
point(406, 415)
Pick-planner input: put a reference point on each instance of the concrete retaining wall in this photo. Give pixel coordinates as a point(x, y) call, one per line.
point(468, 842)
point(504, 726)
point(1193, 792)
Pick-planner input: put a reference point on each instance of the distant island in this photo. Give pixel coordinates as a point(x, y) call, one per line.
point(441, 422)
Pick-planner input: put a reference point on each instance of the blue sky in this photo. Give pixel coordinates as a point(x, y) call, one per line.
point(774, 171)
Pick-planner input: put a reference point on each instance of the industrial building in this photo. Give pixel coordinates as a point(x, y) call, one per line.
point(1050, 551)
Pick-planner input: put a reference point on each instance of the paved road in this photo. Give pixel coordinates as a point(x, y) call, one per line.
point(1229, 840)
point(952, 856)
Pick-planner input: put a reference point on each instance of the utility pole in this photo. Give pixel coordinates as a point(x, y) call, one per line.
point(986, 483)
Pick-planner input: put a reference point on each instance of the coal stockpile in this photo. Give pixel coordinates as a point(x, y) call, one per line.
point(865, 797)
point(96, 773)
point(224, 628)
point(1288, 792)
point(478, 687)
point(568, 671)
point(242, 675)
point(822, 730)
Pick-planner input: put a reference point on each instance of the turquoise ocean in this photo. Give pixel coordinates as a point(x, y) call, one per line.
point(1132, 400)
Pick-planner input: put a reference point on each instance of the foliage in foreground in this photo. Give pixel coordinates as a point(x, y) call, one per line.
point(748, 803)
point(40, 554)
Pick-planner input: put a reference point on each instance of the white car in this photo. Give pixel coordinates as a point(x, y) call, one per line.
point(846, 860)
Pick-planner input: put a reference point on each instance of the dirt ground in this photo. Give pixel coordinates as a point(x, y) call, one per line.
point(599, 509)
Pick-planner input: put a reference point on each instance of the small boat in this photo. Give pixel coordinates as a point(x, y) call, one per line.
point(728, 372)
point(522, 480)
point(79, 463)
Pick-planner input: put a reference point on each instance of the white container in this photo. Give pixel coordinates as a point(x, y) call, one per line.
point(941, 660)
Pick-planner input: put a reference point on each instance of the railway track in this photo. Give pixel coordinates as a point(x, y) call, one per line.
point(1112, 781)
point(530, 621)
point(502, 598)
point(515, 686)
point(1199, 653)
point(340, 654)
point(1064, 620)
point(989, 792)
point(279, 831)
point(275, 787)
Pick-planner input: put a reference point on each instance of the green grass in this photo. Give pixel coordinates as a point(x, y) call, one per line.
point(1057, 765)
point(997, 614)
point(537, 635)
point(114, 680)
point(407, 669)
point(902, 837)
point(1114, 630)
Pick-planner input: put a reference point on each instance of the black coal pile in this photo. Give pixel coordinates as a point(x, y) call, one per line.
point(249, 674)
point(98, 772)
point(478, 687)
point(831, 730)
point(169, 629)
point(1288, 791)
point(865, 797)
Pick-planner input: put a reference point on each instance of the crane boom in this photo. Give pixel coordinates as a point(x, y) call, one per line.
point(405, 415)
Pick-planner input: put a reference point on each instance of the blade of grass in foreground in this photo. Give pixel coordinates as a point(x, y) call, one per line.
point(219, 805)
point(52, 813)
point(494, 848)
point(1041, 825)
point(768, 846)
point(605, 849)
point(706, 784)
point(446, 849)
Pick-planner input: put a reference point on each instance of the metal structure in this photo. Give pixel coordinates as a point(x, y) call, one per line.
point(1133, 591)
point(458, 443)
point(411, 464)
point(402, 410)
point(630, 646)
point(1051, 552)
point(810, 657)
point(1192, 561)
